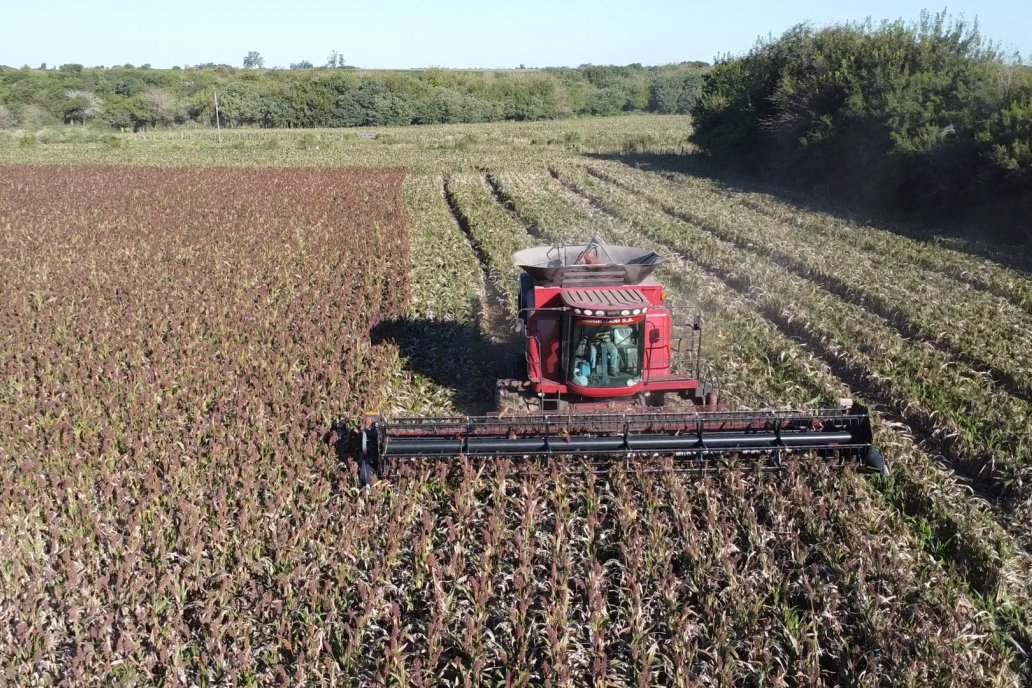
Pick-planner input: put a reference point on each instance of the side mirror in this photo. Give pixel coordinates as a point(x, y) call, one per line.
point(697, 322)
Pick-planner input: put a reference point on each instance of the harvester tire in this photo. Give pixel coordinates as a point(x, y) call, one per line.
point(367, 476)
point(712, 400)
point(875, 461)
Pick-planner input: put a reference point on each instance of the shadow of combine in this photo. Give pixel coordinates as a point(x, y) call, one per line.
point(870, 207)
point(454, 355)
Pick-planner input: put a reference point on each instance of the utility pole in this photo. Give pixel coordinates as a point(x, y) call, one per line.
point(218, 126)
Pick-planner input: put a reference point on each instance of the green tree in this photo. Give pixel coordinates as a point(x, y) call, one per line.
point(926, 116)
point(675, 93)
point(371, 104)
point(240, 103)
point(163, 107)
point(335, 60)
point(81, 106)
point(127, 113)
point(253, 60)
point(330, 97)
point(1006, 138)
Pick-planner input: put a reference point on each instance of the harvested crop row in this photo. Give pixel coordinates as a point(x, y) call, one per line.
point(763, 367)
point(444, 274)
point(175, 343)
point(982, 421)
point(439, 338)
point(494, 230)
point(537, 203)
point(926, 493)
point(936, 257)
point(928, 254)
point(921, 305)
point(1013, 520)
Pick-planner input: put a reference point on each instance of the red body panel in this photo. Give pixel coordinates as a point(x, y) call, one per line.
point(604, 392)
point(657, 339)
point(546, 326)
point(551, 297)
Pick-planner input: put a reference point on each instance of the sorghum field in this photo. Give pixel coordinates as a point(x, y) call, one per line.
point(184, 324)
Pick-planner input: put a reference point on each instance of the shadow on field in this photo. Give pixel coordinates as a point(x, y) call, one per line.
point(736, 176)
point(456, 355)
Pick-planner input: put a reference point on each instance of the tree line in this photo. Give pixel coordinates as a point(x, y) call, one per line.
point(925, 116)
point(129, 98)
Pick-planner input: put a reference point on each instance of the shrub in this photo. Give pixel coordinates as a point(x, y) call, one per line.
point(638, 143)
point(927, 115)
point(574, 141)
point(7, 120)
point(111, 141)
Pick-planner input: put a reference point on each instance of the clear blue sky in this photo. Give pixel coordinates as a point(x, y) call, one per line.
point(409, 33)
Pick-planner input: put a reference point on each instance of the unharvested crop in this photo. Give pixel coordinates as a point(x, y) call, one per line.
point(175, 344)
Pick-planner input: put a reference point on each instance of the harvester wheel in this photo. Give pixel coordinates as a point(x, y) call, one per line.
point(712, 400)
point(875, 461)
point(655, 399)
point(501, 400)
point(367, 476)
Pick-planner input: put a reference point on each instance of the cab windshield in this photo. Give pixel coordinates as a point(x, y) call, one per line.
point(605, 355)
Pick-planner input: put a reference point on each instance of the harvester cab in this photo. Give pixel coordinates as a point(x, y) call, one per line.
point(612, 373)
point(599, 334)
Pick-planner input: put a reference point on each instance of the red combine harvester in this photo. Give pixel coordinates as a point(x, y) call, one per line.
point(599, 336)
point(613, 372)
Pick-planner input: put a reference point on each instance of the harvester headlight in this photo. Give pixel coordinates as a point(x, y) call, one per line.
point(636, 311)
point(643, 310)
point(577, 311)
point(588, 312)
point(625, 312)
